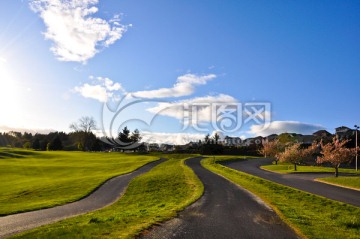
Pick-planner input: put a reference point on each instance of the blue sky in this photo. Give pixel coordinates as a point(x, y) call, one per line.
point(61, 61)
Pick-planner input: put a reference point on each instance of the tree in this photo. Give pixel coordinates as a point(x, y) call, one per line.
point(291, 154)
point(36, 144)
point(216, 138)
point(286, 138)
point(207, 138)
point(27, 145)
point(55, 144)
point(85, 124)
point(310, 153)
point(272, 149)
point(124, 138)
point(83, 132)
point(124, 135)
point(336, 153)
point(43, 144)
point(135, 136)
point(295, 154)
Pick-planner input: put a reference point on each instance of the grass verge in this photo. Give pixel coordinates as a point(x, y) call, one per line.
point(32, 180)
point(150, 198)
point(347, 181)
point(310, 215)
point(285, 168)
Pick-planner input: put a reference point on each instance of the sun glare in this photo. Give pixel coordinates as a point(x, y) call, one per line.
point(8, 94)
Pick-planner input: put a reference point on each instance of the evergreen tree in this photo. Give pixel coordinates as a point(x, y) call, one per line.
point(36, 144)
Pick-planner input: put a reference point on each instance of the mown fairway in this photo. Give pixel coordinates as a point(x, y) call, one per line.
point(32, 180)
point(150, 198)
point(312, 216)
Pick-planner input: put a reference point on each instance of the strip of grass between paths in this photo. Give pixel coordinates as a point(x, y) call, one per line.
point(310, 215)
point(285, 168)
point(31, 180)
point(149, 199)
point(344, 181)
point(352, 182)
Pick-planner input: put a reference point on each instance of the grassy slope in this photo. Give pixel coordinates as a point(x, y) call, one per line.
point(150, 198)
point(311, 215)
point(352, 182)
point(31, 180)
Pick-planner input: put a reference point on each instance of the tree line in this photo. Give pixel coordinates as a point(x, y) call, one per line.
point(81, 138)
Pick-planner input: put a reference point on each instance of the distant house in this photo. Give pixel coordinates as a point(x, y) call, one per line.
point(271, 137)
point(232, 141)
point(153, 147)
point(322, 134)
point(342, 129)
point(167, 148)
point(304, 139)
point(344, 132)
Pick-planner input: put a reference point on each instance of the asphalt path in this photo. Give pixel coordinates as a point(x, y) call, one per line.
point(224, 211)
point(105, 195)
point(302, 181)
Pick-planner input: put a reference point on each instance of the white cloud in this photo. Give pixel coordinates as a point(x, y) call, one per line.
point(4, 128)
point(278, 127)
point(180, 109)
point(185, 85)
point(171, 138)
point(2, 60)
point(102, 90)
point(77, 36)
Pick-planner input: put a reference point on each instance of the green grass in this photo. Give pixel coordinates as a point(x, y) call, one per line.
point(150, 198)
point(285, 168)
point(347, 181)
point(310, 215)
point(32, 180)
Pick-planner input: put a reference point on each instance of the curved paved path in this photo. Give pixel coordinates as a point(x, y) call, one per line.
point(224, 211)
point(105, 195)
point(302, 181)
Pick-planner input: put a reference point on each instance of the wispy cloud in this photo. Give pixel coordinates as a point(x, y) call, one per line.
point(278, 127)
point(77, 36)
point(203, 107)
point(101, 89)
point(185, 85)
point(170, 138)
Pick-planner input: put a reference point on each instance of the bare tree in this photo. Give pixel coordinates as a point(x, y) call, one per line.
point(84, 124)
point(83, 132)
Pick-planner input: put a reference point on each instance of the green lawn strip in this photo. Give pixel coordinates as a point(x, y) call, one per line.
point(344, 181)
point(285, 168)
point(31, 180)
point(310, 215)
point(149, 199)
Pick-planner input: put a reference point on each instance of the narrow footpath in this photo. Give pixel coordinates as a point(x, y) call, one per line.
point(302, 181)
point(224, 211)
